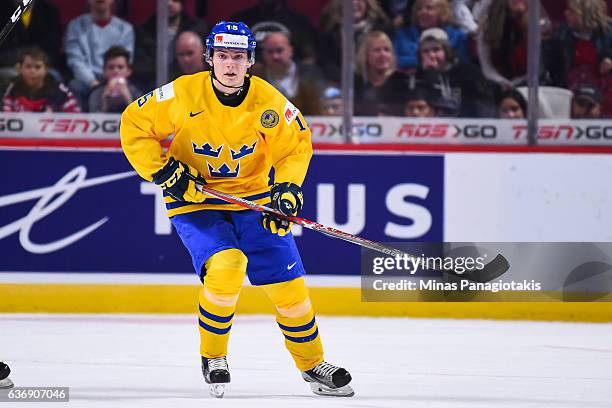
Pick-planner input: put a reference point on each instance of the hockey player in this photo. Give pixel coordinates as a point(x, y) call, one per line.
point(5, 382)
point(229, 130)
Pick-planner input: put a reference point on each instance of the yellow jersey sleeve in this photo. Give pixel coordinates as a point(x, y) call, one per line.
point(144, 124)
point(289, 143)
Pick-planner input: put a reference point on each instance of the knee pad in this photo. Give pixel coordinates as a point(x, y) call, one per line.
point(290, 298)
point(225, 272)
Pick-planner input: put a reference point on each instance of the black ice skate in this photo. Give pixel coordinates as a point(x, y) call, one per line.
point(216, 373)
point(5, 382)
point(330, 380)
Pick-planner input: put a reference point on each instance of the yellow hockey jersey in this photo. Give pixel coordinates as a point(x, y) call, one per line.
point(233, 148)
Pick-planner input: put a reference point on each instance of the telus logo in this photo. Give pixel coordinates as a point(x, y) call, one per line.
point(49, 200)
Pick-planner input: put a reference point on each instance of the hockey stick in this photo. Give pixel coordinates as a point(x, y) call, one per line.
point(497, 267)
point(21, 8)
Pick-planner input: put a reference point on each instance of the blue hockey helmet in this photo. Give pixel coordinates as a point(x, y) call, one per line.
point(231, 35)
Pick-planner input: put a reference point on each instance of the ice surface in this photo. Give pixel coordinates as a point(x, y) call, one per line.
point(152, 361)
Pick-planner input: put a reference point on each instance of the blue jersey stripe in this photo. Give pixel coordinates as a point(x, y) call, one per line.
point(215, 201)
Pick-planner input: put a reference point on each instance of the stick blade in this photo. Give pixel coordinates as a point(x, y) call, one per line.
point(493, 270)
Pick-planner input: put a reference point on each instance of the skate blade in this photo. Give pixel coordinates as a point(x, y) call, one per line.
point(320, 389)
point(6, 384)
point(217, 390)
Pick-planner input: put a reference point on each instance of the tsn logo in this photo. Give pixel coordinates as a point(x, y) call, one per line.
point(565, 132)
point(79, 125)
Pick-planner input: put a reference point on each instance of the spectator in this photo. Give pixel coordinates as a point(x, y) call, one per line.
point(87, 39)
point(377, 81)
point(189, 54)
point(39, 26)
point(420, 103)
point(368, 16)
point(301, 84)
point(116, 92)
point(36, 91)
point(502, 42)
point(511, 105)
point(582, 47)
point(428, 14)
point(398, 10)
point(468, 13)
point(331, 102)
point(461, 85)
point(586, 103)
point(275, 15)
point(179, 21)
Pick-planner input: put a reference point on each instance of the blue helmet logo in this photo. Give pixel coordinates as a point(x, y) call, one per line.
point(231, 35)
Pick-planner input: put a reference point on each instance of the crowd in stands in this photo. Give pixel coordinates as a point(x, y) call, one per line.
point(415, 58)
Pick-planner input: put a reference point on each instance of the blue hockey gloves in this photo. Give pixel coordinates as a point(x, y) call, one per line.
point(178, 180)
point(287, 198)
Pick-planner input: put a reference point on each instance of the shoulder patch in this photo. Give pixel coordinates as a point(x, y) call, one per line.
point(165, 92)
point(289, 112)
point(269, 118)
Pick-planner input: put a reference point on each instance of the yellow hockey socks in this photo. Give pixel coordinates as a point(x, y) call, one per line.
point(225, 273)
point(296, 319)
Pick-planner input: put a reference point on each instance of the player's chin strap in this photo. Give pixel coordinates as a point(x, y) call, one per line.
point(212, 74)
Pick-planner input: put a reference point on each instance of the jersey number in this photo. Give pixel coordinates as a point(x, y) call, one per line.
point(300, 124)
point(143, 99)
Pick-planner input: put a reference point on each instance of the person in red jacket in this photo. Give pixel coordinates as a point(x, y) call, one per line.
point(34, 90)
